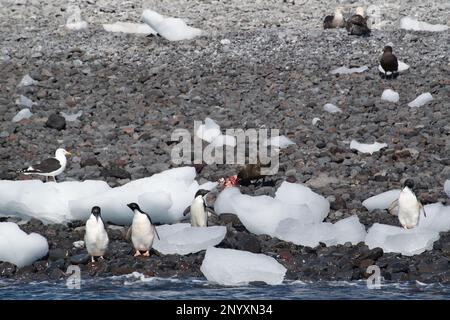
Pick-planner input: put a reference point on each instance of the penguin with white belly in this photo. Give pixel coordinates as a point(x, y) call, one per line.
point(96, 239)
point(409, 207)
point(142, 231)
point(199, 210)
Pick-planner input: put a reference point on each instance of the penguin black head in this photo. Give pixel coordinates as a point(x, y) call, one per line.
point(96, 212)
point(201, 192)
point(134, 206)
point(387, 49)
point(409, 183)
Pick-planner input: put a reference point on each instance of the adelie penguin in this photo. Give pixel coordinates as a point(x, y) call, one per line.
point(142, 231)
point(357, 24)
point(96, 239)
point(408, 207)
point(389, 63)
point(335, 21)
point(199, 210)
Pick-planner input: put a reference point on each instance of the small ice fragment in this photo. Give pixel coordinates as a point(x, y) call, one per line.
point(27, 81)
point(409, 23)
point(367, 148)
point(390, 95)
point(424, 98)
point(331, 108)
point(345, 70)
point(72, 117)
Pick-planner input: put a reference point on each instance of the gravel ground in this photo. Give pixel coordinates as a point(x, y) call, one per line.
point(275, 73)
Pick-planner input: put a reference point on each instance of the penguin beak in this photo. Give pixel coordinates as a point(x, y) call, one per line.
point(68, 153)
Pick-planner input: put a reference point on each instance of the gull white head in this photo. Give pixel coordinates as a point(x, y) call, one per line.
point(360, 11)
point(338, 12)
point(62, 153)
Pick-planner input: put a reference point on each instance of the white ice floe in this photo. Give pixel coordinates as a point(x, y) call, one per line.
point(27, 81)
point(421, 100)
point(225, 42)
point(345, 70)
point(310, 234)
point(447, 187)
point(402, 67)
point(262, 214)
point(390, 95)
point(47, 202)
point(400, 240)
point(24, 102)
point(412, 241)
point(437, 218)
point(74, 20)
point(22, 114)
point(381, 201)
point(279, 142)
point(367, 148)
point(128, 27)
point(183, 239)
point(331, 108)
point(72, 117)
point(210, 132)
point(20, 248)
point(233, 267)
point(409, 23)
point(164, 196)
point(172, 29)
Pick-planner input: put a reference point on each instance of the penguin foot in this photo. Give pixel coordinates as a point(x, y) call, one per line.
point(146, 254)
point(137, 254)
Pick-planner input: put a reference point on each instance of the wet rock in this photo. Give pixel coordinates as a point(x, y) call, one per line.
point(80, 259)
point(116, 172)
point(7, 269)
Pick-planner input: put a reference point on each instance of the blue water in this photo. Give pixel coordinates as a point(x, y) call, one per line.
point(136, 287)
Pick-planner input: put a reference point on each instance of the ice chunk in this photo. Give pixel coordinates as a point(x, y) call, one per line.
point(424, 98)
point(27, 81)
point(74, 20)
point(22, 114)
point(402, 67)
point(47, 202)
point(225, 42)
point(390, 95)
point(78, 244)
point(127, 27)
point(24, 102)
point(345, 70)
point(72, 117)
point(208, 131)
point(437, 219)
point(233, 267)
point(367, 148)
point(382, 200)
point(298, 194)
point(331, 108)
point(262, 214)
point(349, 230)
point(280, 142)
point(19, 248)
point(315, 121)
point(310, 234)
point(165, 196)
point(183, 239)
point(447, 187)
point(409, 23)
point(173, 29)
point(395, 239)
point(306, 234)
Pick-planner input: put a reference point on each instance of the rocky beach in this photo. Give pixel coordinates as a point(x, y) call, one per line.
point(130, 92)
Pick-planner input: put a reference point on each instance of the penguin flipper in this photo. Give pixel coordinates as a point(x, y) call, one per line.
point(392, 208)
point(156, 231)
point(186, 211)
point(128, 235)
point(421, 207)
point(210, 211)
